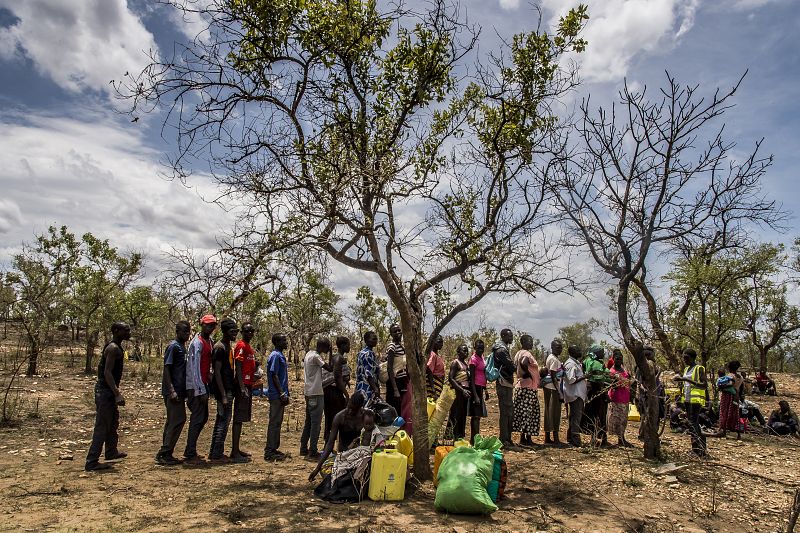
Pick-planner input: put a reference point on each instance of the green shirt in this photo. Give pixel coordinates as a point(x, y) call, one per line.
point(596, 371)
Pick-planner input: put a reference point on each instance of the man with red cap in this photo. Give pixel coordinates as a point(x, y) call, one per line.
point(198, 376)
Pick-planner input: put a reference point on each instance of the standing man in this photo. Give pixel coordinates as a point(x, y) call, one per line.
point(224, 382)
point(367, 368)
point(575, 393)
point(398, 388)
point(278, 396)
point(244, 359)
point(596, 409)
point(173, 389)
point(335, 390)
point(198, 376)
point(107, 399)
point(313, 364)
point(552, 396)
point(695, 392)
point(505, 386)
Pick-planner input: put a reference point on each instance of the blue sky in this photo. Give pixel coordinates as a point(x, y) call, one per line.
point(68, 157)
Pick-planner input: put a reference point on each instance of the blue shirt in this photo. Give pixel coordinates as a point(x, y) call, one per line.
point(276, 366)
point(175, 361)
point(366, 370)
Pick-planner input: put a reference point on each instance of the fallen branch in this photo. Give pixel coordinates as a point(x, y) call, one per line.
point(748, 473)
point(794, 511)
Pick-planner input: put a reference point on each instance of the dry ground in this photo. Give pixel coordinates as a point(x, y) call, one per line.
point(548, 489)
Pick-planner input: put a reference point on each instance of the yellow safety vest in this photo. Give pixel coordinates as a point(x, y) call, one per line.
point(696, 394)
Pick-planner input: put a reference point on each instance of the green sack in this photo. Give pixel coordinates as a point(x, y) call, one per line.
point(491, 444)
point(464, 476)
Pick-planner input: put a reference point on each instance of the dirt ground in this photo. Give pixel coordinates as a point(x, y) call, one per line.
point(43, 485)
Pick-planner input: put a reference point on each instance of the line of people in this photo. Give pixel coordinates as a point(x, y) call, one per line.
point(587, 386)
point(595, 392)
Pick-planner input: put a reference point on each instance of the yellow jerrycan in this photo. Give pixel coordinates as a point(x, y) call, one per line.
point(404, 444)
point(387, 478)
point(431, 408)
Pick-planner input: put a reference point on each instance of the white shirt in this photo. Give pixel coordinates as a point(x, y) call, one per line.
point(552, 363)
point(312, 373)
point(573, 371)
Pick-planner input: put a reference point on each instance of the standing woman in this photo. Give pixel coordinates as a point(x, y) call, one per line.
point(477, 386)
point(459, 381)
point(620, 396)
point(729, 400)
point(526, 397)
point(434, 370)
point(398, 388)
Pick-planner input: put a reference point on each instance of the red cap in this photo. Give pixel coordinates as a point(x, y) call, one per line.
point(208, 319)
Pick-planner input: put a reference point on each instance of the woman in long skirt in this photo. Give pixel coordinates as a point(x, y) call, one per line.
point(459, 380)
point(434, 370)
point(526, 397)
point(620, 396)
point(729, 401)
point(477, 383)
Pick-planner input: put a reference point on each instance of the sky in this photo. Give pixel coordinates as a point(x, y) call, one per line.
point(69, 156)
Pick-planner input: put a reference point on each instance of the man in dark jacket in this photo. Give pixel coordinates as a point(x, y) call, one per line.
point(505, 386)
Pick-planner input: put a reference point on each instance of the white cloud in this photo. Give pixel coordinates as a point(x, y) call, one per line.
point(98, 175)
point(80, 44)
point(745, 5)
point(190, 21)
point(10, 215)
point(620, 30)
point(509, 4)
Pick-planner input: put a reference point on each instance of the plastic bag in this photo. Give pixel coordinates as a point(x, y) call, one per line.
point(440, 414)
point(384, 413)
point(491, 444)
point(464, 476)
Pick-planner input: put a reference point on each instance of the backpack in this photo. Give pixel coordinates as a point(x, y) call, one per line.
point(491, 371)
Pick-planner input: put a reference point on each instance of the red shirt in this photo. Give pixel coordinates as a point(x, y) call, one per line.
point(205, 360)
point(245, 353)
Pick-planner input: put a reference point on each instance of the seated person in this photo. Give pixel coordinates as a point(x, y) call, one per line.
point(765, 384)
point(750, 411)
point(783, 421)
point(707, 418)
point(346, 427)
point(677, 418)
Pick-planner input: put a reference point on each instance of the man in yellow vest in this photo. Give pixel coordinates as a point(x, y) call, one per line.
point(695, 392)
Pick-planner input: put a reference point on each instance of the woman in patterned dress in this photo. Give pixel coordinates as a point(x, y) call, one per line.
point(526, 397)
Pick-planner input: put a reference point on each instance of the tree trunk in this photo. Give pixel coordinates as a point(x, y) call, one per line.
point(411, 326)
point(762, 360)
point(33, 358)
point(652, 443)
point(652, 312)
point(91, 343)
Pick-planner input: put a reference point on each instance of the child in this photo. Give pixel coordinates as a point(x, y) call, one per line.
point(370, 435)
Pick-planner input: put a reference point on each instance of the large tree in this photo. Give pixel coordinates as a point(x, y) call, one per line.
point(649, 174)
point(101, 274)
point(41, 276)
point(581, 334)
point(364, 132)
point(769, 316)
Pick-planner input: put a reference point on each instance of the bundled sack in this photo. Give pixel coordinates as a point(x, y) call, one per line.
point(440, 414)
point(463, 478)
point(497, 486)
